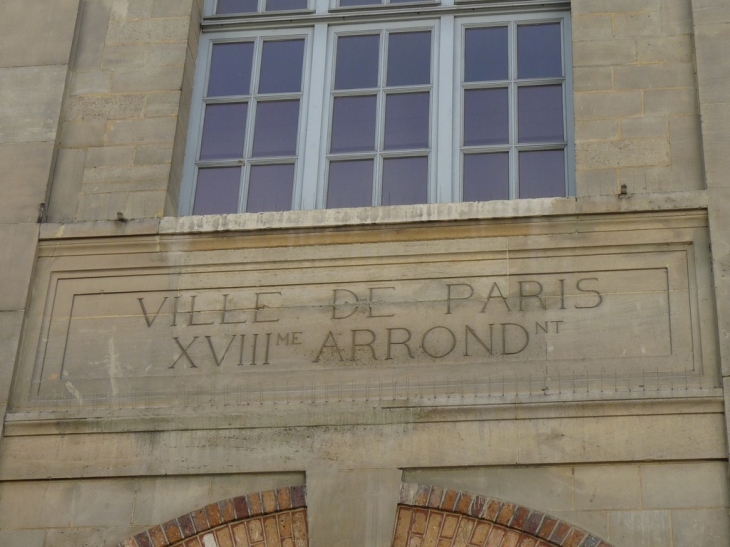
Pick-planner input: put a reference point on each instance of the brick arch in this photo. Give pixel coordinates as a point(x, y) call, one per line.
point(432, 515)
point(263, 519)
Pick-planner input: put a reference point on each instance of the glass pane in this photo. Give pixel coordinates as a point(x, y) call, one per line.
point(406, 121)
point(237, 6)
point(217, 191)
point(485, 54)
point(409, 58)
point(353, 124)
point(230, 69)
point(357, 62)
point(486, 116)
point(486, 176)
point(223, 131)
point(348, 3)
point(542, 174)
point(277, 124)
point(270, 188)
point(281, 67)
point(405, 181)
point(408, 1)
point(540, 112)
point(539, 52)
point(350, 184)
point(281, 5)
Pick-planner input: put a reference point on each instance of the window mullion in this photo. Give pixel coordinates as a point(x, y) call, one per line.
point(317, 103)
point(442, 114)
point(514, 191)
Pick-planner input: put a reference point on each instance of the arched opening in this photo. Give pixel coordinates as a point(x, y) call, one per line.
point(432, 515)
point(274, 518)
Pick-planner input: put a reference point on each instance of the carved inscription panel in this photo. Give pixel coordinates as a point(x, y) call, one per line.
point(164, 326)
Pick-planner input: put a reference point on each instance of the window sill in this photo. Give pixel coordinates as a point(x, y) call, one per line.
point(380, 216)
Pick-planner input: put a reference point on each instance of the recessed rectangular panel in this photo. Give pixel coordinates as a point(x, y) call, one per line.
point(224, 130)
point(283, 5)
point(281, 66)
point(539, 51)
point(216, 191)
point(353, 124)
point(542, 174)
point(405, 181)
point(270, 188)
point(485, 54)
point(407, 121)
point(277, 125)
point(357, 62)
point(486, 116)
point(350, 184)
point(236, 6)
point(291, 315)
point(486, 176)
point(409, 58)
point(230, 69)
point(540, 113)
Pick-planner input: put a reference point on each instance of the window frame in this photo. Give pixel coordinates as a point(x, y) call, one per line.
point(447, 22)
point(514, 84)
point(379, 154)
point(200, 101)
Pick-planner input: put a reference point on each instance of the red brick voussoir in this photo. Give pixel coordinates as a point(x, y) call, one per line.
point(287, 503)
point(478, 521)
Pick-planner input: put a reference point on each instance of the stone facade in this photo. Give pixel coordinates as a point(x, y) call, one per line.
point(509, 373)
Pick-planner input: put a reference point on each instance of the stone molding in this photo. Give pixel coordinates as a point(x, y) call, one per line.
point(214, 515)
point(533, 528)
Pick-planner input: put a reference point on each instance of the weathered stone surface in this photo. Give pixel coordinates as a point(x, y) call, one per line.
point(623, 153)
point(30, 103)
point(36, 32)
point(640, 528)
point(17, 252)
point(711, 525)
point(66, 185)
point(336, 516)
point(26, 171)
point(665, 486)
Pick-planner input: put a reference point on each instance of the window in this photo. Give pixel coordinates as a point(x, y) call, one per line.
point(386, 103)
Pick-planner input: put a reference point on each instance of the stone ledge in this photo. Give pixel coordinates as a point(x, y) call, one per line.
point(380, 216)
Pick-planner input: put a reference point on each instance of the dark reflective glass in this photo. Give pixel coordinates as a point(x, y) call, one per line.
point(281, 5)
point(539, 51)
point(409, 58)
point(216, 192)
point(408, 1)
point(348, 3)
point(237, 6)
point(406, 121)
point(281, 66)
point(357, 62)
point(230, 69)
point(542, 174)
point(486, 176)
point(485, 54)
point(540, 112)
point(486, 116)
point(353, 124)
point(277, 124)
point(350, 184)
point(405, 181)
point(223, 131)
point(270, 188)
